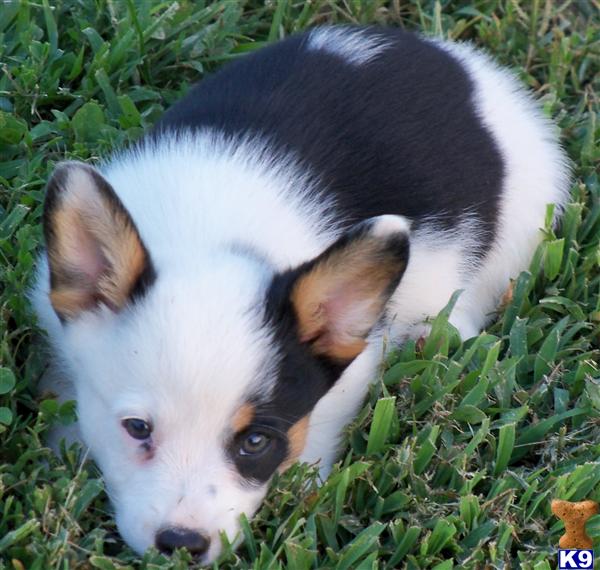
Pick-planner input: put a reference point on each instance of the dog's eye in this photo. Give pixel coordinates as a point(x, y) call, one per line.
point(137, 428)
point(254, 443)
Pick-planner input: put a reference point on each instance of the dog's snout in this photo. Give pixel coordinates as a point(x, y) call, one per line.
point(168, 539)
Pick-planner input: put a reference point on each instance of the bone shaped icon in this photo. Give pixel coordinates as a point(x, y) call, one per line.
point(575, 515)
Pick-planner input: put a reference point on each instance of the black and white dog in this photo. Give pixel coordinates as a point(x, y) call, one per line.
point(217, 297)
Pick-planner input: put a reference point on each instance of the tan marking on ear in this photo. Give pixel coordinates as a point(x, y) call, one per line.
point(343, 352)
point(296, 441)
point(70, 302)
point(86, 219)
point(363, 266)
point(242, 418)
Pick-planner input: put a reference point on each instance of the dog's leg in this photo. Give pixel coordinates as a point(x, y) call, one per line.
point(337, 409)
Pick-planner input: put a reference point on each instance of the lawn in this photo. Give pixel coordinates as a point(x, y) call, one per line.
point(457, 454)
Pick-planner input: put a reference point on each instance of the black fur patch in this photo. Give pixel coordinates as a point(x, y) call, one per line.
point(302, 380)
point(396, 135)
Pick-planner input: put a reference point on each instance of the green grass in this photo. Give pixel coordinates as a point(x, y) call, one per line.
point(456, 456)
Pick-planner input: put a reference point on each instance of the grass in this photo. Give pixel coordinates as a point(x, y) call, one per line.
point(459, 450)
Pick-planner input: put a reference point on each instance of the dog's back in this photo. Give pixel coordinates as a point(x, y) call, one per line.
point(384, 121)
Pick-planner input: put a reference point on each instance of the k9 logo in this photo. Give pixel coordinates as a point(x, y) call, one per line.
point(568, 559)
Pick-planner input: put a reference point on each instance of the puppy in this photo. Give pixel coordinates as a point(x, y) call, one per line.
point(218, 295)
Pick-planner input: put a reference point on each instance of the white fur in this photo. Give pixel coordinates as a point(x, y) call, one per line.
point(195, 346)
point(207, 191)
point(352, 45)
point(537, 174)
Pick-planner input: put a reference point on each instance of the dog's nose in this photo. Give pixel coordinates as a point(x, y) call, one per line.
point(168, 539)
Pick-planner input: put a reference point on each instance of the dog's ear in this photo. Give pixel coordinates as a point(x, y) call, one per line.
point(339, 296)
point(95, 254)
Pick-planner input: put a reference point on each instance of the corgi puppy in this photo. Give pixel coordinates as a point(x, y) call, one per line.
point(217, 297)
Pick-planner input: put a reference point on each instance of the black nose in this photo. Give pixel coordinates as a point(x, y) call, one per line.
point(168, 539)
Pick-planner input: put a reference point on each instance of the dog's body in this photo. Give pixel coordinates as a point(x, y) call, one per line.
point(232, 279)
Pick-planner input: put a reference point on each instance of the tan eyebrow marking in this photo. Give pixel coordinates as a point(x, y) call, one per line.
point(296, 442)
point(243, 417)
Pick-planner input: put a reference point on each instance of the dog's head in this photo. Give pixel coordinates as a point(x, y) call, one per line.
point(196, 381)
